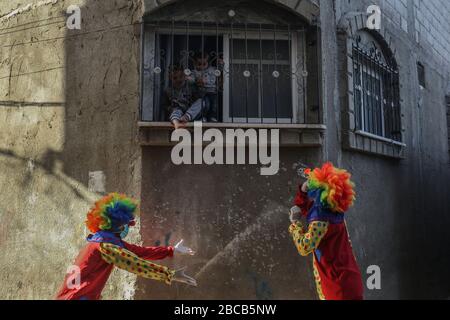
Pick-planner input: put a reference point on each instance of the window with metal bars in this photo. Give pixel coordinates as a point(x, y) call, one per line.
point(375, 91)
point(231, 72)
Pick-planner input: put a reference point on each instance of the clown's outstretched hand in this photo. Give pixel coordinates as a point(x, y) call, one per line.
point(128, 261)
point(181, 249)
point(295, 214)
point(109, 221)
point(180, 276)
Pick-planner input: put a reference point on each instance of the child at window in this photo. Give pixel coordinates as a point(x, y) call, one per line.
point(322, 200)
point(205, 77)
point(109, 221)
point(182, 99)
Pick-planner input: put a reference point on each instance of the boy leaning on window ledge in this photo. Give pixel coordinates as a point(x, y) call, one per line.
point(183, 99)
point(205, 76)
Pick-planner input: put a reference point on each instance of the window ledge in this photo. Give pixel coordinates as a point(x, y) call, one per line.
point(291, 135)
point(322, 127)
point(386, 140)
point(372, 144)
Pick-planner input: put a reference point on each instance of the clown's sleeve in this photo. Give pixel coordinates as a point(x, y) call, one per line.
point(307, 242)
point(302, 201)
point(149, 253)
point(127, 260)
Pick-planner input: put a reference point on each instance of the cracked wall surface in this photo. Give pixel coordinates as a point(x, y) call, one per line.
point(65, 101)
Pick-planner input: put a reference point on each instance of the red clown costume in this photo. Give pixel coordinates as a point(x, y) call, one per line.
point(108, 221)
point(326, 196)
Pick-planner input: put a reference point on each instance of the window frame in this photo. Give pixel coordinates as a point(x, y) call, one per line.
point(176, 31)
point(292, 38)
point(391, 145)
point(152, 32)
point(363, 65)
point(371, 72)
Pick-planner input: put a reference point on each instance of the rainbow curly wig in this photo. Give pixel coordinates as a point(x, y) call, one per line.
point(337, 188)
point(110, 213)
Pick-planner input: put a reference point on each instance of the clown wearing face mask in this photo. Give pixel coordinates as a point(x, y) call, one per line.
point(322, 201)
point(109, 221)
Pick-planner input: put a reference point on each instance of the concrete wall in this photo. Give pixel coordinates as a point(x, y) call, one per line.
point(236, 220)
point(68, 107)
point(394, 223)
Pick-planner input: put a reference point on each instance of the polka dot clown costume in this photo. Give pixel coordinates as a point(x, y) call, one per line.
point(323, 200)
point(108, 221)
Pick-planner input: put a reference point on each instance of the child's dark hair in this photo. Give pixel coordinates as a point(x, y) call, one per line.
point(201, 55)
point(175, 68)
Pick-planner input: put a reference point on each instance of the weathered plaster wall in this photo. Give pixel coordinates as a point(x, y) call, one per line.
point(235, 219)
point(68, 106)
point(8, 6)
point(394, 223)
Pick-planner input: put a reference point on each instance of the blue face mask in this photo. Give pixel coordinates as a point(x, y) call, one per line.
point(124, 232)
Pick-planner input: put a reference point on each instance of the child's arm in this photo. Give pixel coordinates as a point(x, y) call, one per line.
point(150, 253)
point(307, 242)
point(176, 115)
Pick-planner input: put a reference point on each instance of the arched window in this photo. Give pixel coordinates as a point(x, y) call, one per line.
point(375, 88)
point(245, 61)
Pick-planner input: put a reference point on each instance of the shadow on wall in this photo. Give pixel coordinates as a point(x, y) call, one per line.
point(41, 207)
point(425, 262)
point(102, 94)
point(34, 200)
point(50, 147)
point(102, 107)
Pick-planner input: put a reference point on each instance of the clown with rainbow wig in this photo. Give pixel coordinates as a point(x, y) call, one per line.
point(322, 200)
point(109, 221)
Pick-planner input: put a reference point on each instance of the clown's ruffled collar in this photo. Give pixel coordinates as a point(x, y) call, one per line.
point(321, 212)
point(105, 236)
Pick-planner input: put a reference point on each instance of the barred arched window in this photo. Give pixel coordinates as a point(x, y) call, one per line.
point(258, 62)
point(375, 88)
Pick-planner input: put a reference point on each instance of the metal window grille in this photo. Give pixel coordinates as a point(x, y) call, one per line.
point(256, 73)
point(376, 94)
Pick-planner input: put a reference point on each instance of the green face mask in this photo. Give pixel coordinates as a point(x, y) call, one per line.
point(124, 232)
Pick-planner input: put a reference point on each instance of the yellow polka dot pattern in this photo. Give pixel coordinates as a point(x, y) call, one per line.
point(318, 281)
point(307, 242)
point(127, 260)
